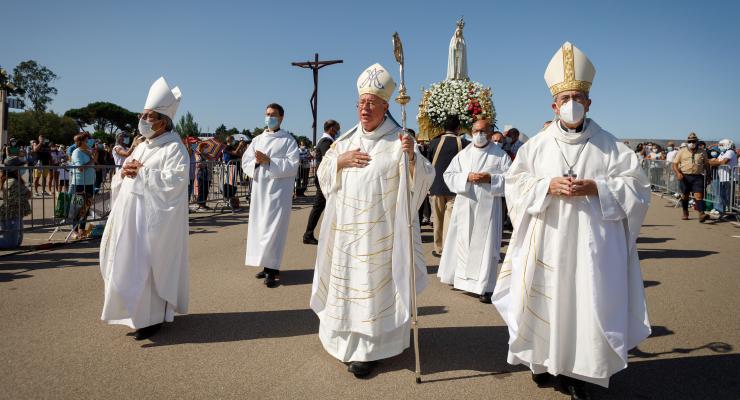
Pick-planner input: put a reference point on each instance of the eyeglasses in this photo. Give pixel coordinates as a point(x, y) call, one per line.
point(369, 104)
point(691, 141)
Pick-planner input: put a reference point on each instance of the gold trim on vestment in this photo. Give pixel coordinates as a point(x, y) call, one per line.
point(569, 75)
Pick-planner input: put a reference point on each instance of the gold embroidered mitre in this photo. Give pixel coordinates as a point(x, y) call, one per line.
point(376, 80)
point(569, 69)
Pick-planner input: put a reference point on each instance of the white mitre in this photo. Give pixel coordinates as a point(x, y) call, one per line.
point(569, 69)
point(162, 99)
point(376, 80)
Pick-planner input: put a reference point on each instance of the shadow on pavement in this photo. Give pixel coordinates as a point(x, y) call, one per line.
point(643, 239)
point(480, 349)
point(717, 347)
point(432, 310)
point(241, 326)
point(673, 253)
point(218, 220)
point(703, 377)
point(236, 326)
point(20, 264)
point(648, 284)
point(296, 277)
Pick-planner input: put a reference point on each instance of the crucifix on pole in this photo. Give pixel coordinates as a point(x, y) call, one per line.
point(315, 66)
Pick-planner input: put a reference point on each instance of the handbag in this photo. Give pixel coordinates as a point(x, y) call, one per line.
point(61, 209)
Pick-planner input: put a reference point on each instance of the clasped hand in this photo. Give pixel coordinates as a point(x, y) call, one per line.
point(570, 187)
point(131, 169)
point(261, 157)
point(479, 177)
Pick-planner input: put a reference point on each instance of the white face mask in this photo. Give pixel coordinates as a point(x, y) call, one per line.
point(480, 139)
point(692, 146)
point(499, 144)
point(145, 128)
point(572, 112)
point(126, 141)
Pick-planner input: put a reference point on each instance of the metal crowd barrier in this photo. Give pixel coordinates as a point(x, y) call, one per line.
point(722, 185)
point(215, 187)
point(27, 207)
point(722, 189)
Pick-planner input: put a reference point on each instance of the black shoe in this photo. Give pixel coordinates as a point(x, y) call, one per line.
point(260, 275)
point(542, 380)
point(578, 390)
point(309, 239)
point(485, 297)
point(438, 255)
point(272, 280)
point(361, 369)
point(147, 332)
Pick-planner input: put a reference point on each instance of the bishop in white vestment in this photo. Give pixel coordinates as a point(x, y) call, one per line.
point(361, 287)
point(271, 161)
point(570, 288)
point(476, 175)
point(144, 248)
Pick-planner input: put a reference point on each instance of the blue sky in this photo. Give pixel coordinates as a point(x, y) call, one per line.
point(663, 68)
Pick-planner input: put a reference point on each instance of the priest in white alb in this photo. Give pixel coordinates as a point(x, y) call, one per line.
point(570, 288)
point(144, 248)
point(361, 287)
point(471, 254)
point(271, 161)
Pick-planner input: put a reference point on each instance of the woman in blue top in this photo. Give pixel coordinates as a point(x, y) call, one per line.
point(83, 178)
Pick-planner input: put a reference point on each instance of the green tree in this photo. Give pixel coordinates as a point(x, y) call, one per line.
point(33, 83)
point(103, 137)
point(187, 126)
point(104, 117)
point(220, 133)
point(28, 125)
point(6, 82)
point(303, 139)
point(257, 131)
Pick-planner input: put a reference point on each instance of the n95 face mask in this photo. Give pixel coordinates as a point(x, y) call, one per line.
point(572, 112)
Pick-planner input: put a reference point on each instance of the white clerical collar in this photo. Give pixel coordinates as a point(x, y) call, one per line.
point(378, 133)
point(161, 139)
point(570, 137)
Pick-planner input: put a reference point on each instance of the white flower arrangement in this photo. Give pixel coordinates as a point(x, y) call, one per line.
point(469, 100)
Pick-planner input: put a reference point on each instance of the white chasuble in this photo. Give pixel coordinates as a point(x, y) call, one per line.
point(361, 287)
point(272, 197)
point(570, 288)
point(473, 242)
point(144, 248)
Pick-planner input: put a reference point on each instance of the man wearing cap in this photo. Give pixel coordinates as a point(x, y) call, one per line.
point(271, 161)
point(570, 288)
point(144, 248)
point(689, 166)
point(361, 287)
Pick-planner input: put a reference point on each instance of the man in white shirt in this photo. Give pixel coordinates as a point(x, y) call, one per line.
point(725, 165)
